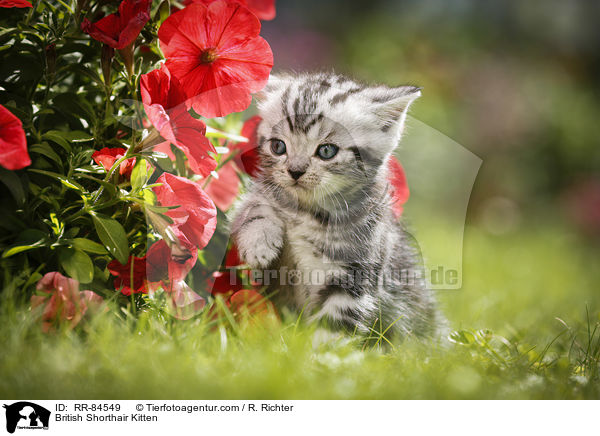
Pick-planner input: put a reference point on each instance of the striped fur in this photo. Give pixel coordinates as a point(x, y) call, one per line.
point(338, 251)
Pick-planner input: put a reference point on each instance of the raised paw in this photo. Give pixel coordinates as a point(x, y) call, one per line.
point(259, 247)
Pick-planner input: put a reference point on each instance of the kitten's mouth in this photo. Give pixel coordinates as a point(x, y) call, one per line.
point(296, 184)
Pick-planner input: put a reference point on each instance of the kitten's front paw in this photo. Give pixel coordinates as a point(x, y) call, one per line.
point(260, 248)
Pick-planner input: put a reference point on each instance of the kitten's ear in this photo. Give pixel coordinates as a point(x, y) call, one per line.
point(390, 105)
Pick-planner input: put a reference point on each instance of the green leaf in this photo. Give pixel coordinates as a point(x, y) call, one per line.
point(14, 185)
point(57, 137)
point(160, 209)
point(76, 264)
point(139, 175)
point(149, 197)
point(62, 179)
point(73, 103)
point(78, 136)
point(463, 337)
point(113, 236)
point(45, 149)
point(19, 249)
point(27, 240)
point(89, 246)
point(72, 232)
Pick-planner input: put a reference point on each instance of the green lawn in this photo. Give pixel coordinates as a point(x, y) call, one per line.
point(521, 332)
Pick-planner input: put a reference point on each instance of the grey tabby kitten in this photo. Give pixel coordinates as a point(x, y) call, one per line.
point(319, 219)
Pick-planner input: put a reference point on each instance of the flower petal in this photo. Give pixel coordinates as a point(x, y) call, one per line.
point(224, 189)
point(13, 145)
point(399, 191)
point(242, 60)
point(15, 4)
point(191, 199)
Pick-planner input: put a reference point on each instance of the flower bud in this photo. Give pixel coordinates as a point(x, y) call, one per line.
point(127, 55)
point(106, 59)
point(50, 59)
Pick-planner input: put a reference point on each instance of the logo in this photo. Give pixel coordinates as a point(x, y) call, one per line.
point(26, 415)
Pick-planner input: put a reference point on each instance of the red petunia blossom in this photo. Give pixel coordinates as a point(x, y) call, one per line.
point(233, 257)
point(15, 4)
point(108, 156)
point(13, 146)
point(217, 55)
point(62, 300)
point(246, 305)
point(164, 266)
point(195, 219)
point(227, 282)
point(250, 302)
point(130, 278)
point(184, 302)
point(224, 283)
point(120, 29)
point(399, 186)
point(225, 188)
point(246, 157)
point(164, 102)
point(263, 9)
point(169, 271)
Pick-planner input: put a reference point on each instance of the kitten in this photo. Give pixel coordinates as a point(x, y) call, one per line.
point(318, 218)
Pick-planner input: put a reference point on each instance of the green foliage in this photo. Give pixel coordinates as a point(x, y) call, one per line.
point(113, 236)
point(65, 213)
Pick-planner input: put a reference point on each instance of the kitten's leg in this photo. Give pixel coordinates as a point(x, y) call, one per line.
point(346, 307)
point(257, 232)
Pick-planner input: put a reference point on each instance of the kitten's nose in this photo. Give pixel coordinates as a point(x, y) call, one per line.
point(296, 174)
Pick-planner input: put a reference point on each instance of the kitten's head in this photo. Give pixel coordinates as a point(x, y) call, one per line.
point(324, 136)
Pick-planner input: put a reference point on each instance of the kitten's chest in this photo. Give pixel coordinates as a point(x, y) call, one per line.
point(308, 268)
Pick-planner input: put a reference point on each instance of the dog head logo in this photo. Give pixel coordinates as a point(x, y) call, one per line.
point(26, 415)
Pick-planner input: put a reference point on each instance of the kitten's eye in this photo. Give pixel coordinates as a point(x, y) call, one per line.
point(327, 151)
point(278, 146)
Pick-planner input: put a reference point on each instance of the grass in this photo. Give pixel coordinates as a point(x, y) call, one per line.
point(526, 326)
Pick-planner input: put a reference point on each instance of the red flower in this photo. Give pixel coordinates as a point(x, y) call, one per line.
point(169, 271)
point(195, 219)
point(164, 102)
point(120, 29)
point(224, 283)
point(217, 55)
point(246, 156)
point(399, 191)
point(130, 278)
point(246, 305)
point(227, 282)
point(164, 266)
point(224, 189)
point(13, 146)
point(263, 9)
point(233, 257)
point(63, 300)
point(15, 4)
point(250, 302)
point(108, 156)
point(184, 302)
